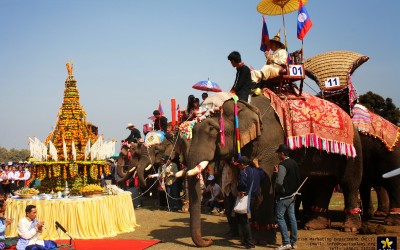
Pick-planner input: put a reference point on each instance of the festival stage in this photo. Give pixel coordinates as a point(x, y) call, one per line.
point(83, 218)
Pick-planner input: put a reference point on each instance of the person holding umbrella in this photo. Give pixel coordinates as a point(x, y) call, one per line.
point(243, 84)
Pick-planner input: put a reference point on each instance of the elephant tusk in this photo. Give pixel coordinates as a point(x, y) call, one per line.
point(132, 169)
point(199, 168)
point(179, 174)
point(391, 173)
point(148, 167)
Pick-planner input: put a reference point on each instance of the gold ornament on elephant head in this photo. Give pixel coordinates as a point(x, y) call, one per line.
point(257, 91)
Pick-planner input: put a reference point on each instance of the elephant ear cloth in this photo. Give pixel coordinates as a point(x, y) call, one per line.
point(371, 124)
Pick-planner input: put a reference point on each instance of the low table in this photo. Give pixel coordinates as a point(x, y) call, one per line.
point(83, 218)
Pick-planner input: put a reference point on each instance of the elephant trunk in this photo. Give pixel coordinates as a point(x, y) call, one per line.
point(120, 166)
point(194, 208)
point(140, 172)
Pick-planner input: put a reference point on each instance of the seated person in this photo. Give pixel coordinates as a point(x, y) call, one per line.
point(134, 136)
point(10, 241)
point(274, 61)
point(193, 113)
point(29, 230)
point(215, 190)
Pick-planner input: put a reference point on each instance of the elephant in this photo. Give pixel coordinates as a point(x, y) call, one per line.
point(377, 161)
point(127, 160)
point(206, 148)
point(147, 156)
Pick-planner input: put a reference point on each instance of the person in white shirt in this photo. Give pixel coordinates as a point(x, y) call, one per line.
point(29, 230)
point(274, 61)
point(13, 176)
point(215, 202)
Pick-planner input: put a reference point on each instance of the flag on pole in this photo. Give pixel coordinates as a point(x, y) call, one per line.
point(303, 21)
point(160, 108)
point(65, 151)
point(264, 37)
point(53, 151)
point(87, 149)
point(73, 151)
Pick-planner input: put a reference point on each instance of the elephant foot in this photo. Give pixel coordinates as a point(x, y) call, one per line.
point(318, 222)
point(372, 228)
point(379, 213)
point(393, 219)
point(353, 220)
point(185, 207)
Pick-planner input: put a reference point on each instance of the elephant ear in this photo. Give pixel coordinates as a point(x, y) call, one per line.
point(249, 122)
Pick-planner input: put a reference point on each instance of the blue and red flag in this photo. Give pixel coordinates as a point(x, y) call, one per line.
point(264, 37)
point(160, 108)
point(303, 21)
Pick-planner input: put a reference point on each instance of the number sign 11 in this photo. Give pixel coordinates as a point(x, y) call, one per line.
point(296, 70)
point(332, 82)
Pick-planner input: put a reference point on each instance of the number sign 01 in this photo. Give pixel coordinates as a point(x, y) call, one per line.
point(296, 70)
point(332, 82)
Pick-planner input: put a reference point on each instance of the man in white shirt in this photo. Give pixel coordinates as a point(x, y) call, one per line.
point(13, 176)
point(215, 190)
point(274, 61)
point(29, 230)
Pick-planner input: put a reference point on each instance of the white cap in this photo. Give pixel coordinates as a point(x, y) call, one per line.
point(9, 163)
point(210, 178)
point(129, 125)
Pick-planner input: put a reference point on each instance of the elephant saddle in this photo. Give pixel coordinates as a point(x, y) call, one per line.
point(371, 124)
point(314, 122)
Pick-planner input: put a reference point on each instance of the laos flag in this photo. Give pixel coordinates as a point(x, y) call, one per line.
point(264, 37)
point(303, 21)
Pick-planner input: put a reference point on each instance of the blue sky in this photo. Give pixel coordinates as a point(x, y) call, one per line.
point(128, 54)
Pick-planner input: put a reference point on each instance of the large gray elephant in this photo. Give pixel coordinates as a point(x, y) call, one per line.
point(377, 161)
point(205, 148)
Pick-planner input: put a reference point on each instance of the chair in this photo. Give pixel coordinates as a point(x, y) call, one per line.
point(289, 74)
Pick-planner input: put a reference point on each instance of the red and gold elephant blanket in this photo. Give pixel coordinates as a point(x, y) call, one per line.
point(371, 124)
point(314, 122)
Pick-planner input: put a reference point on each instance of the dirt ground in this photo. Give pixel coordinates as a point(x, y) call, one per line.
point(172, 228)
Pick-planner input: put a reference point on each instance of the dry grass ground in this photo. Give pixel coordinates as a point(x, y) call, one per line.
point(172, 228)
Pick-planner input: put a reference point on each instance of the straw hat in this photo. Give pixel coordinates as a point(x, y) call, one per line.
point(129, 125)
point(277, 39)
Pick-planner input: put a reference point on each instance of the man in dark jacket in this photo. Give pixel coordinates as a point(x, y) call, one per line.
point(161, 122)
point(243, 83)
point(248, 184)
point(134, 135)
point(286, 184)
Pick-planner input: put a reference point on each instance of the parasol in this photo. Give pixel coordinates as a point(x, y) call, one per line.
point(279, 7)
point(207, 86)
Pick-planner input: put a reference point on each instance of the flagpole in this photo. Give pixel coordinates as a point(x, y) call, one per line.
point(284, 28)
point(302, 51)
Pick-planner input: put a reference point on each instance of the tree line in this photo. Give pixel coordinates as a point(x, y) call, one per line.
point(14, 155)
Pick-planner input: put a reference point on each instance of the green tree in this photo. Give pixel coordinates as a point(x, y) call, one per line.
point(380, 106)
point(13, 155)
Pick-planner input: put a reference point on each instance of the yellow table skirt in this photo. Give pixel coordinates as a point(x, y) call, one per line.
point(83, 218)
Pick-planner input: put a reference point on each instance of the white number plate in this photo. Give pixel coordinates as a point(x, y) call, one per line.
point(296, 70)
point(332, 82)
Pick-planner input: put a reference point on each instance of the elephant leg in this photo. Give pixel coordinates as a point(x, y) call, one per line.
point(229, 203)
point(264, 224)
point(367, 205)
point(352, 210)
point(393, 189)
point(383, 202)
point(322, 190)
